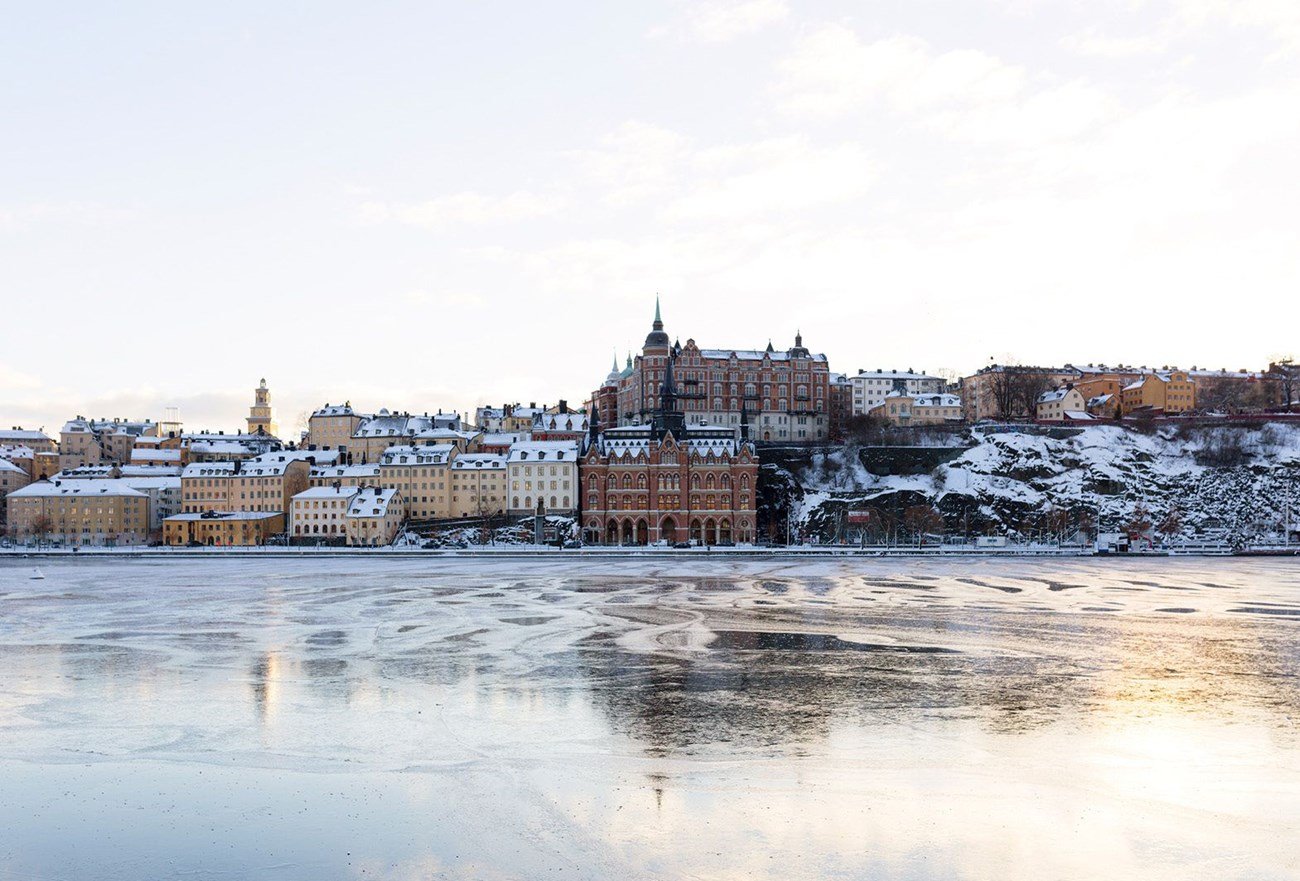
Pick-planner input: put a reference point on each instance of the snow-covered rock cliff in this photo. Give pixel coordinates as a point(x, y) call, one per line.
point(1228, 482)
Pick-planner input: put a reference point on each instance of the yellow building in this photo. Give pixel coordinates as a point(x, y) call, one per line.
point(422, 475)
point(100, 441)
point(374, 517)
point(333, 425)
point(478, 485)
point(940, 409)
point(1061, 404)
point(1172, 392)
point(80, 512)
point(261, 416)
point(36, 441)
point(12, 478)
point(320, 513)
point(222, 528)
point(23, 457)
point(45, 464)
point(265, 484)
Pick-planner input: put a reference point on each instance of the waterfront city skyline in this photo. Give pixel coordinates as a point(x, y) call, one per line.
point(442, 207)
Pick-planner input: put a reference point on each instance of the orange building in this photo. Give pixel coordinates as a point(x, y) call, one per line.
point(1172, 392)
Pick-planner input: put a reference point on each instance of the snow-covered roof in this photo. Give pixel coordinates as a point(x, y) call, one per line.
point(503, 438)
point(265, 465)
point(351, 471)
point(129, 427)
point(371, 502)
point(752, 355)
point(703, 440)
point(443, 433)
point(6, 465)
point(1054, 395)
point(1099, 400)
point(81, 488)
point(155, 455)
point(17, 451)
point(544, 451)
point(1078, 416)
point(478, 462)
point(326, 492)
point(385, 424)
point(18, 435)
point(437, 454)
point(335, 410)
point(551, 422)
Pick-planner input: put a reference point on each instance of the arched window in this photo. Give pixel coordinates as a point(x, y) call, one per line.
point(708, 481)
point(726, 481)
point(640, 481)
point(611, 482)
point(553, 505)
point(592, 483)
point(627, 481)
point(695, 481)
point(744, 481)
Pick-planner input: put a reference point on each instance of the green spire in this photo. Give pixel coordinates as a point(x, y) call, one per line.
point(658, 320)
point(615, 368)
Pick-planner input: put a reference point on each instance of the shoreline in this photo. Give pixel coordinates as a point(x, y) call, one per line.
point(630, 554)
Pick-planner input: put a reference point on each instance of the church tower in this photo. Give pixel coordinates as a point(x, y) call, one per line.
point(261, 416)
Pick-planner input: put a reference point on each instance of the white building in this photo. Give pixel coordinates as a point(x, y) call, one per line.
point(870, 388)
point(320, 513)
point(374, 517)
point(545, 471)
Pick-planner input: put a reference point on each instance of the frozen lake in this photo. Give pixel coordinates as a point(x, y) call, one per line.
point(413, 719)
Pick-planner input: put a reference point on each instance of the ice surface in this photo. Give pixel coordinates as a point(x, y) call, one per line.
point(411, 718)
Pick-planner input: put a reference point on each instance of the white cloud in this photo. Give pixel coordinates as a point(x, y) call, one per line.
point(719, 21)
point(635, 162)
point(778, 175)
point(24, 216)
point(966, 94)
point(647, 166)
point(467, 208)
point(1094, 43)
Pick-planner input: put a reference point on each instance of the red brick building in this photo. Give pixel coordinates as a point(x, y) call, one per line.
point(786, 393)
point(640, 489)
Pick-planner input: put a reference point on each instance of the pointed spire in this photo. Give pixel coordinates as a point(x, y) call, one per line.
point(658, 319)
point(614, 369)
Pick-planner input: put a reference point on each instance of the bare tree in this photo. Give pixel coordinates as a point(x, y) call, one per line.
point(1058, 521)
point(920, 520)
point(41, 527)
point(1288, 377)
point(1171, 523)
point(1139, 524)
point(1016, 390)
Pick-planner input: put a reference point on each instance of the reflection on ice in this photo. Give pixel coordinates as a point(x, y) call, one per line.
point(408, 719)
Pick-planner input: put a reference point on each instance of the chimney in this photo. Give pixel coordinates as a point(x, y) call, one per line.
point(564, 406)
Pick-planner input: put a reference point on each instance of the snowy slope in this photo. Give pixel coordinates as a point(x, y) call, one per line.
point(1235, 482)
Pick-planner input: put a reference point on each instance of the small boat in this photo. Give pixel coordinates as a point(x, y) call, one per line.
point(37, 573)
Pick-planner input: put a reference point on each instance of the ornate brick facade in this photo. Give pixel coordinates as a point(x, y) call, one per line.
point(786, 394)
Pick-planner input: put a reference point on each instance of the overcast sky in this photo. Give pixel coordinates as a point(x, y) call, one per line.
point(421, 205)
